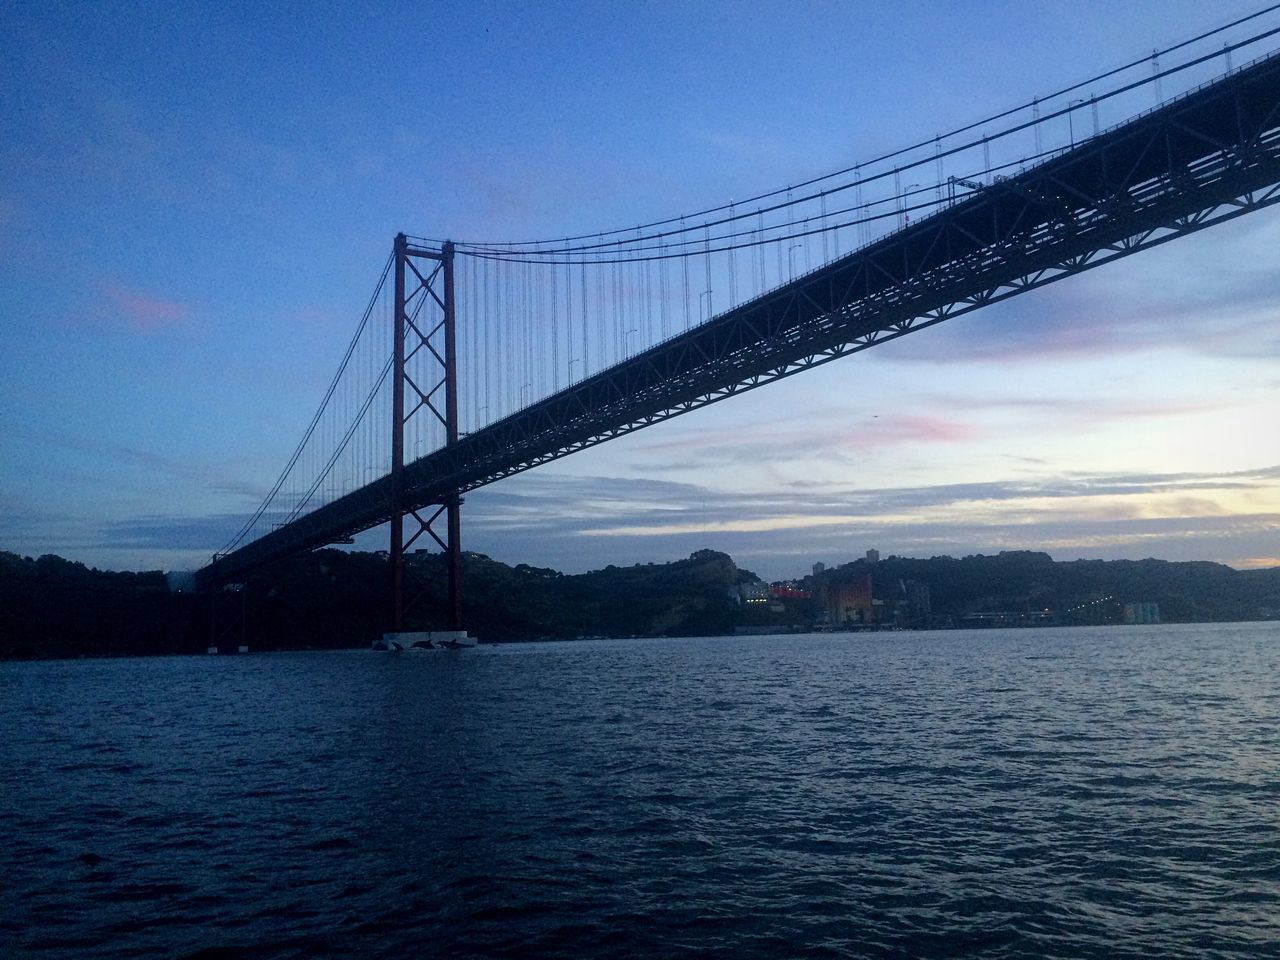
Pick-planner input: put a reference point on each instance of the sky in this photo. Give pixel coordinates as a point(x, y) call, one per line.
point(195, 201)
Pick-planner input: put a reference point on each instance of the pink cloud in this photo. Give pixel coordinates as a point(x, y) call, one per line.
point(147, 314)
point(894, 429)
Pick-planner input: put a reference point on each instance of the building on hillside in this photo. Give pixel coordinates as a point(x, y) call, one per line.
point(788, 590)
point(1142, 612)
point(851, 603)
point(914, 606)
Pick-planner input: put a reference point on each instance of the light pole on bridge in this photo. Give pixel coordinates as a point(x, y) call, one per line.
point(1071, 126)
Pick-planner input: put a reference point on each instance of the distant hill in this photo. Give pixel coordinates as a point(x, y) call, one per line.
point(51, 607)
point(54, 607)
point(1076, 591)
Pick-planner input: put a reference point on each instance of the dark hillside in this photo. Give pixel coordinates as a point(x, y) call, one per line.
point(50, 607)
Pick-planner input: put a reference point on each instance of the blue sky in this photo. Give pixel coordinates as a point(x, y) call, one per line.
point(195, 201)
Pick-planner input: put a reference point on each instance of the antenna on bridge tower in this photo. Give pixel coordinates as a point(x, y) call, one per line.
point(425, 332)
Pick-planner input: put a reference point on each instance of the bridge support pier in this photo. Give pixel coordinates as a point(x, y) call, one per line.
point(229, 618)
point(424, 331)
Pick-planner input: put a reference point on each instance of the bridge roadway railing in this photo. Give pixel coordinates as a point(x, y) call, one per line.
point(1209, 156)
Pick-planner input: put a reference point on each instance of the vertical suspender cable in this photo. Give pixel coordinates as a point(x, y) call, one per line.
point(586, 339)
point(733, 268)
point(662, 284)
point(684, 263)
point(555, 329)
point(706, 264)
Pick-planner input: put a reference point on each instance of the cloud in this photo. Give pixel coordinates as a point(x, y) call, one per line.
point(849, 435)
point(146, 314)
point(838, 437)
point(1075, 409)
point(22, 519)
point(576, 523)
point(573, 523)
point(1243, 540)
point(1257, 563)
point(573, 503)
point(1232, 314)
point(204, 534)
point(576, 504)
point(853, 435)
point(206, 476)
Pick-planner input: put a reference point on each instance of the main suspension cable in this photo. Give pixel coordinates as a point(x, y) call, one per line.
point(902, 151)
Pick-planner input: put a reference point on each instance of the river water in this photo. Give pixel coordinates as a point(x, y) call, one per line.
point(1093, 792)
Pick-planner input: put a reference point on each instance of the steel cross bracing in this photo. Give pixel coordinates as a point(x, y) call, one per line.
point(1205, 158)
point(424, 335)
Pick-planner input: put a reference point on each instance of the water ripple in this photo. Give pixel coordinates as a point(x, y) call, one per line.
point(1064, 793)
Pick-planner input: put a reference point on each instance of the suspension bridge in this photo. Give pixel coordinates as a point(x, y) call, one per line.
point(477, 360)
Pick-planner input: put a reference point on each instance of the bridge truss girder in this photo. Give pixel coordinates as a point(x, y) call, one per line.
point(1203, 159)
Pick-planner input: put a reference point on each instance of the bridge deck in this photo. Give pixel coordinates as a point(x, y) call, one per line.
point(1209, 156)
